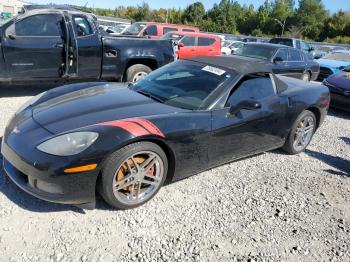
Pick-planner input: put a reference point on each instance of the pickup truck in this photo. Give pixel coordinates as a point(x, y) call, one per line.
point(64, 46)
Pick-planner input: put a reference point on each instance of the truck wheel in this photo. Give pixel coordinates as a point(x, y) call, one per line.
point(137, 72)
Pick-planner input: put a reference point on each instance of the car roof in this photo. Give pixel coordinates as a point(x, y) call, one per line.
point(173, 25)
point(276, 46)
point(194, 34)
point(240, 64)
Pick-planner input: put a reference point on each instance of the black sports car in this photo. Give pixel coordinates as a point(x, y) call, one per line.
point(339, 86)
point(184, 118)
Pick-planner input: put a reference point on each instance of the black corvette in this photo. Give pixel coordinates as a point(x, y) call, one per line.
point(184, 118)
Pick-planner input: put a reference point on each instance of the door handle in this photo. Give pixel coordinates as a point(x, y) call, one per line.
point(111, 53)
point(58, 45)
point(12, 37)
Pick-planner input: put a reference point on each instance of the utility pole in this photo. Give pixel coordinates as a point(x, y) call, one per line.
point(282, 24)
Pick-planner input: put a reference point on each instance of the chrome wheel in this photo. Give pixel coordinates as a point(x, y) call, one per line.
point(303, 133)
point(138, 76)
point(138, 178)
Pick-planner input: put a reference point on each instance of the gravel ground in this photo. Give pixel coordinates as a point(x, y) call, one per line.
point(271, 207)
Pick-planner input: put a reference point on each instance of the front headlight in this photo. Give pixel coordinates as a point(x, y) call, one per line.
point(68, 144)
point(30, 102)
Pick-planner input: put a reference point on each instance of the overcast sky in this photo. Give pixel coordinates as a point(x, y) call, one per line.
point(332, 5)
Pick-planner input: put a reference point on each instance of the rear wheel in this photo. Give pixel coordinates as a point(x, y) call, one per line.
point(133, 175)
point(306, 77)
point(137, 72)
point(301, 133)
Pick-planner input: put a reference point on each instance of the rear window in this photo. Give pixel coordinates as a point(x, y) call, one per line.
point(204, 41)
point(256, 51)
point(288, 42)
point(169, 29)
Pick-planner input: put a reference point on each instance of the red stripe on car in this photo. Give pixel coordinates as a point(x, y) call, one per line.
point(152, 128)
point(136, 126)
point(133, 128)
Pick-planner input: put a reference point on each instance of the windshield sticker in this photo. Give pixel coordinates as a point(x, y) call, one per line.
point(214, 70)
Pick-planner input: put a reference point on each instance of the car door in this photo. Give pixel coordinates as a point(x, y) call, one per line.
point(248, 131)
point(34, 48)
point(280, 62)
point(296, 63)
point(89, 48)
point(205, 47)
point(189, 48)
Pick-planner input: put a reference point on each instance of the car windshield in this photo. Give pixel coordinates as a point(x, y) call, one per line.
point(256, 51)
point(134, 29)
point(338, 56)
point(282, 41)
point(171, 36)
point(184, 84)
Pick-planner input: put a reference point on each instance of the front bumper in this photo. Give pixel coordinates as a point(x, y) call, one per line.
point(340, 101)
point(76, 189)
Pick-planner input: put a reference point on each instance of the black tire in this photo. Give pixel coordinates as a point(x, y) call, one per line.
point(289, 144)
point(306, 76)
point(112, 164)
point(134, 70)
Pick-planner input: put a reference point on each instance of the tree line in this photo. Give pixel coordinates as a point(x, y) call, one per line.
point(309, 19)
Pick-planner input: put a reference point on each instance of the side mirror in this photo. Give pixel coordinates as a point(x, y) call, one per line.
point(311, 49)
point(277, 59)
point(180, 44)
point(247, 104)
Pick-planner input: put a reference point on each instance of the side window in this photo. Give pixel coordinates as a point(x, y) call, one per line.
point(151, 30)
point(189, 41)
point(294, 55)
point(82, 26)
point(282, 53)
point(252, 88)
point(203, 41)
point(169, 29)
point(188, 30)
point(304, 46)
point(38, 25)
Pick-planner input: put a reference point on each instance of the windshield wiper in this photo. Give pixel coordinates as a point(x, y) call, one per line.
point(158, 99)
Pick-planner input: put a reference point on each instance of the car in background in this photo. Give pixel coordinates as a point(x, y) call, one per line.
point(117, 30)
point(339, 86)
point(230, 47)
point(285, 60)
point(333, 63)
point(198, 44)
point(156, 30)
point(296, 43)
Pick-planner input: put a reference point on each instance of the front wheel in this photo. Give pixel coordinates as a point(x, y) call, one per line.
point(301, 133)
point(133, 175)
point(137, 72)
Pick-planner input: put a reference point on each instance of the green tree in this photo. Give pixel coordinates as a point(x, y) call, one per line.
point(194, 14)
point(310, 17)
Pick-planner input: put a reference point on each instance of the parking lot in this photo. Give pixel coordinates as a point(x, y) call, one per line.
point(269, 207)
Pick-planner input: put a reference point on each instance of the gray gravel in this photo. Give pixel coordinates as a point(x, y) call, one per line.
point(271, 207)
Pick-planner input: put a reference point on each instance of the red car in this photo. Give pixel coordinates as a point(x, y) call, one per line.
point(155, 30)
point(198, 44)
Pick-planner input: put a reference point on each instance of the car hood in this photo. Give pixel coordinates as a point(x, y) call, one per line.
point(341, 80)
point(332, 63)
point(95, 105)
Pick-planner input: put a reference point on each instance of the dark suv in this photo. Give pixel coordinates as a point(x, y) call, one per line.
point(296, 43)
